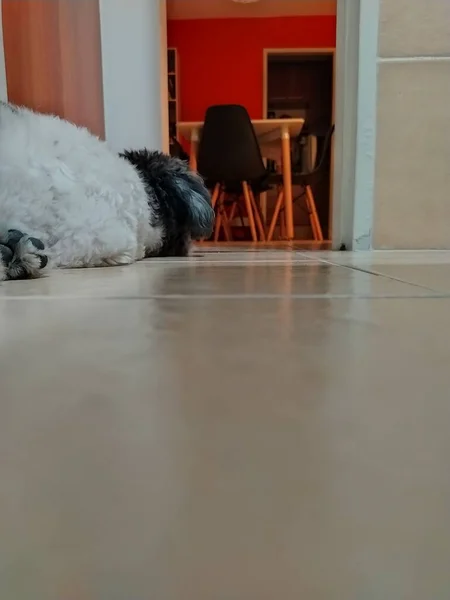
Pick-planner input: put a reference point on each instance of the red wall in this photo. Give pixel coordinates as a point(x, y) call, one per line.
point(221, 60)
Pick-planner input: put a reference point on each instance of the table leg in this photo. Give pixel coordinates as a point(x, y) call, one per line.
point(287, 182)
point(194, 149)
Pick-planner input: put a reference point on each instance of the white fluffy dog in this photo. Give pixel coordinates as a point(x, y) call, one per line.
point(67, 200)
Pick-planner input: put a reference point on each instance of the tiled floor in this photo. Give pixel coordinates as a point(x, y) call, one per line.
point(239, 425)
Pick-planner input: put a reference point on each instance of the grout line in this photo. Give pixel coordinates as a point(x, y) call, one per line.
point(258, 262)
point(412, 59)
point(399, 280)
point(397, 296)
point(384, 276)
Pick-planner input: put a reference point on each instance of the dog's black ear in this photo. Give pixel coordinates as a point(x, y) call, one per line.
point(180, 193)
point(191, 189)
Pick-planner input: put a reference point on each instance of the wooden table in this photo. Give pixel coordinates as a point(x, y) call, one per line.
point(270, 133)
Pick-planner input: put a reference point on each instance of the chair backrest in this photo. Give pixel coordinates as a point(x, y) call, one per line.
point(307, 144)
point(229, 150)
point(304, 152)
point(325, 148)
point(176, 150)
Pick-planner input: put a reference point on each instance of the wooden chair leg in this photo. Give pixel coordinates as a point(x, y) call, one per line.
point(226, 225)
point(283, 229)
point(310, 215)
point(222, 220)
point(217, 227)
point(230, 217)
point(276, 212)
point(314, 215)
point(215, 195)
point(249, 210)
point(219, 217)
point(259, 225)
point(232, 212)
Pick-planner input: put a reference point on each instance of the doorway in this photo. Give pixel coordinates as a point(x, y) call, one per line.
point(354, 103)
point(299, 83)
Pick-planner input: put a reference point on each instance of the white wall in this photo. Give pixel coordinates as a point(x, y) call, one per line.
point(356, 102)
point(164, 88)
point(366, 124)
point(3, 94)
point(134, 58)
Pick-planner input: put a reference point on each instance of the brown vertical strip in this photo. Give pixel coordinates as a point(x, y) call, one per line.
point(79, 27)
point(53, 58)
point(32, 54)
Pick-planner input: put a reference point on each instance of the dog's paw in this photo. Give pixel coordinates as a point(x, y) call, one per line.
point(6, 256)
point(23, 256)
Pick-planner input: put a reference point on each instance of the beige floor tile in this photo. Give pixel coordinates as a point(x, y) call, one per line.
point(191, 447)
point(285, 275)
point(433, 277)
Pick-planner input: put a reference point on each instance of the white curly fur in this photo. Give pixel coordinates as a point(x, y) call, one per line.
point(61, 184)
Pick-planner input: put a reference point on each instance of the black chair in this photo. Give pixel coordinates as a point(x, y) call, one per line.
point(305, 179)
point(229, 159)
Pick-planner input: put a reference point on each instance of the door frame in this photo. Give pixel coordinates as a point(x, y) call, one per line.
point(3, 89)
point(356, 119)
point(355, 116)
point(299, 52)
